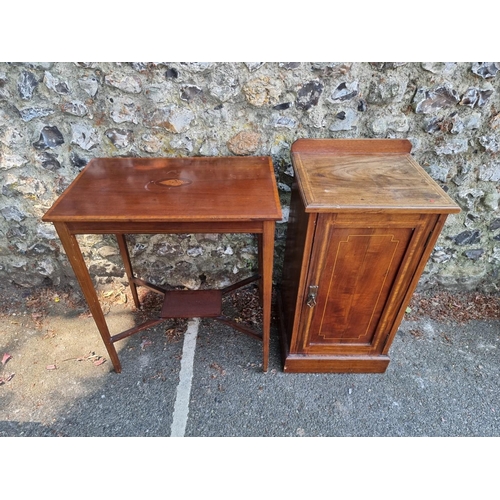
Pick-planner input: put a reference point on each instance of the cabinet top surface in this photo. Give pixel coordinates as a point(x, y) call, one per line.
point(170, 189)
point(345, 181)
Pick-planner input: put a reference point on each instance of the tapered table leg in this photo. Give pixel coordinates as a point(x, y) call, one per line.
point(75, 257)
point(261, 264)
point(122, 243)
point(267, 286)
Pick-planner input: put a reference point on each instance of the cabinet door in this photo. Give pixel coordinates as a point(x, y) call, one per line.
point(361, 266)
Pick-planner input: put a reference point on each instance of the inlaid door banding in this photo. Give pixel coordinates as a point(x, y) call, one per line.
point(348, 304)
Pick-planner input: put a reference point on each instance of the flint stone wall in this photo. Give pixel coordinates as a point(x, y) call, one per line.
point(55, 117)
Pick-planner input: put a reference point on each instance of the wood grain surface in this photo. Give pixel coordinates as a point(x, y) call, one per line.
point(170, 189)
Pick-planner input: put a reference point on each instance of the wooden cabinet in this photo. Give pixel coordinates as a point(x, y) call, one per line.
point(364, 218)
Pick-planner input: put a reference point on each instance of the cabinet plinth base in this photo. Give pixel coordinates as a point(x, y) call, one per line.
point(301, 363)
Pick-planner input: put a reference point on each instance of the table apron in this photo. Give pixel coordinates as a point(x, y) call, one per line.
point(164, 227)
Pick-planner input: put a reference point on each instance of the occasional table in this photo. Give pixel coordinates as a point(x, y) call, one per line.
point(171, 196)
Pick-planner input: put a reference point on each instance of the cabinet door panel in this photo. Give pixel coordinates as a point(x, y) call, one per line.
point(355, 269)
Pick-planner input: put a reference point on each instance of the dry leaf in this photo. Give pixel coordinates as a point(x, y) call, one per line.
point(99, 361)
point(6, 358)
point(145, 343)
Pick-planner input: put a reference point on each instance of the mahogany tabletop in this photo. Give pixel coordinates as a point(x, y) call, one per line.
point(190, 189)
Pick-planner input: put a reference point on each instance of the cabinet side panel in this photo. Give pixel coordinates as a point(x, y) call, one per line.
point(299, 235)
point(434, 225)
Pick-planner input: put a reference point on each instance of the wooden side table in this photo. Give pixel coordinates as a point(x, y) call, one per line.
point(172, 196)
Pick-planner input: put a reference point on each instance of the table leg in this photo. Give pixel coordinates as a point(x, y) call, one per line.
point(267, 286)
point(74, 254)
point(122, 243)
point(261, 264)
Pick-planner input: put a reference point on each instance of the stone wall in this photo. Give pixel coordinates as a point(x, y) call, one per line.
point(55, 117)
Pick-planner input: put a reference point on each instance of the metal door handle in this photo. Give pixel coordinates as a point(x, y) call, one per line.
point(311, 297)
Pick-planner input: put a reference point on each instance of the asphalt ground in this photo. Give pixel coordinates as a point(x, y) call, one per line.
point(199, 379)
